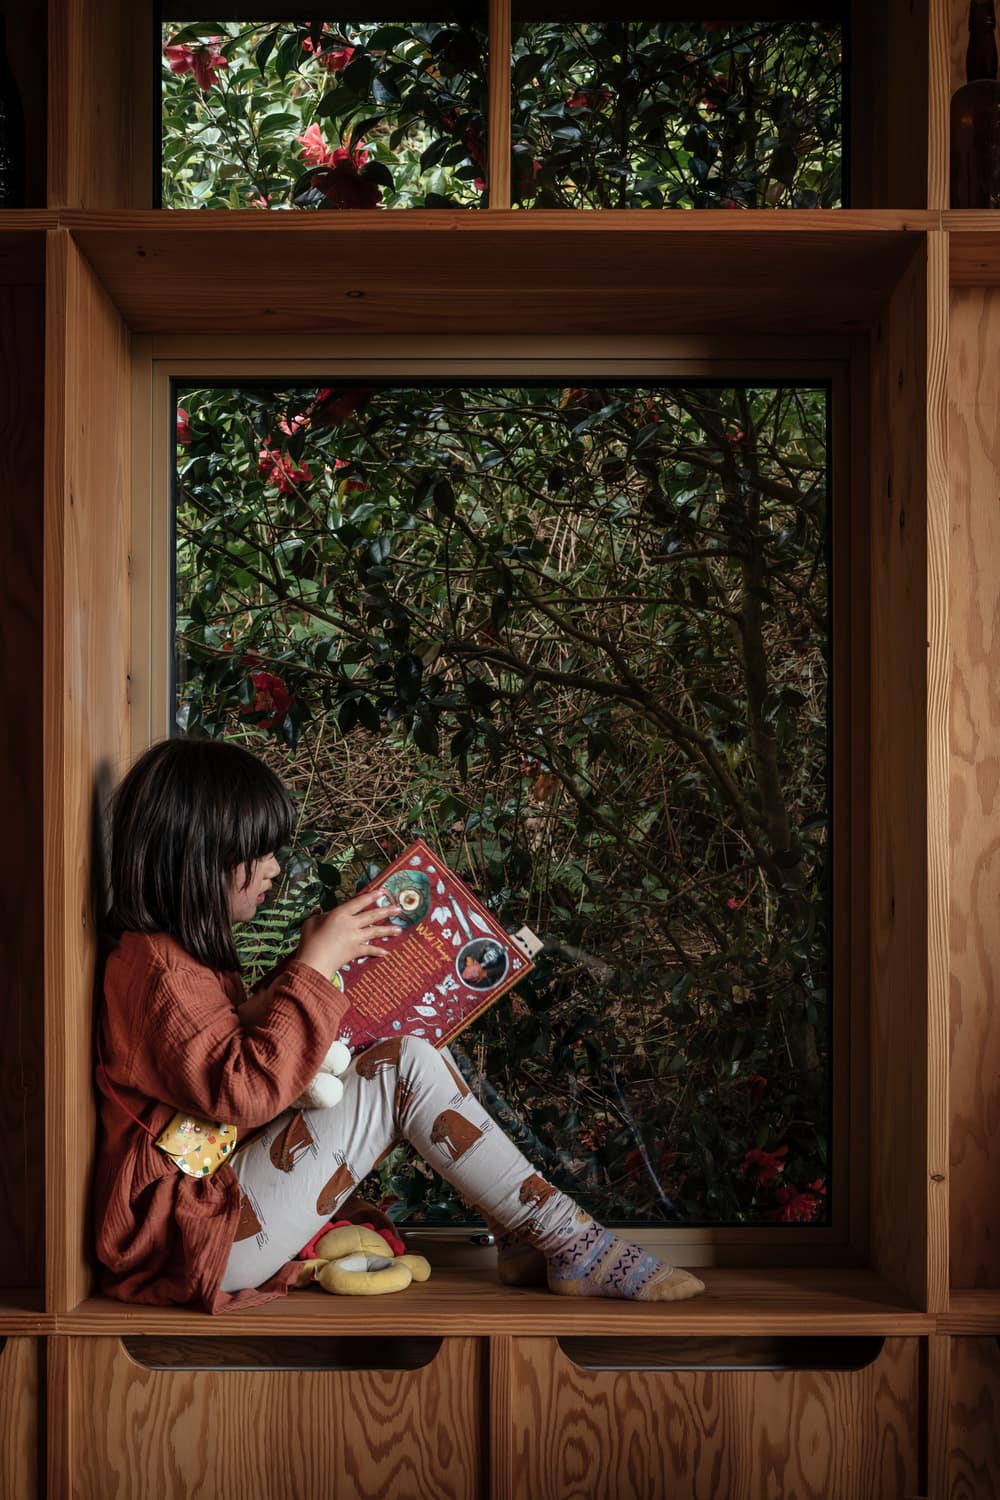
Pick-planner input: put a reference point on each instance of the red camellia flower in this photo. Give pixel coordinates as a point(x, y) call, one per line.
point(337, 406)
point(795, 1207)
point(592, 98)
point(342, 184)
point(334, 61)
point(204, 62)
point(763, 1166)
point(757, 1084)
point(272, 697)
point(280, 470)
point(351, 486)
point(735, 905)
point(183, 429)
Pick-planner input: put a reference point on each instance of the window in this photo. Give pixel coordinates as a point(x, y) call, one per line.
point(386, 110)
point(575, 632)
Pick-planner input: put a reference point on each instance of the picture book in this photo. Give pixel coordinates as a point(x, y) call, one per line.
point(452, 961)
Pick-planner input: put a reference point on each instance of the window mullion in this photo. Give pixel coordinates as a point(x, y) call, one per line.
point(499, 103)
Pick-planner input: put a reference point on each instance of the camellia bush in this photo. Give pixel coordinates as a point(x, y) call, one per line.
point(577, 638)
point(339, 114)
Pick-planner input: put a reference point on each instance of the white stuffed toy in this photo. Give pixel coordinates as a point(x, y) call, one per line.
point(326, 1089)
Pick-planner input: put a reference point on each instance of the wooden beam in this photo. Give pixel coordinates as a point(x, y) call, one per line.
point(85, 717)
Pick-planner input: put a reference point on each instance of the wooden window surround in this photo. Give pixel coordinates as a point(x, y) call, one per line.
point(159, 359)
point(88, 272)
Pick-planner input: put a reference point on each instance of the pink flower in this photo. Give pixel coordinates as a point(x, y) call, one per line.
point(280, 470)
point(264, 202)
point(300, 421)
point(183, 429)
point(314, 147)
point(735, 905)
point(204, 62)
point(763, 1166)
point(795, 1207)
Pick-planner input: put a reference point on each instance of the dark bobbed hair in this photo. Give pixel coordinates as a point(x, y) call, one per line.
point(183, 818)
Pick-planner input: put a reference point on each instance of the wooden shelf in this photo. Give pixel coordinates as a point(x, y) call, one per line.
point(474, 1303)
point(22, 1310)
point(975, 1312)
point(519, 273)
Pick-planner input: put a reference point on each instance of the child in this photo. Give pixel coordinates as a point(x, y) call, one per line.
point(195, 824)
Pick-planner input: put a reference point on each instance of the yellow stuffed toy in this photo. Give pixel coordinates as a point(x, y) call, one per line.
point(352, 1260)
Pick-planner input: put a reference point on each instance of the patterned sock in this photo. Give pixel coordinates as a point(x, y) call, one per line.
point(517, 1263)
point(595, 1263)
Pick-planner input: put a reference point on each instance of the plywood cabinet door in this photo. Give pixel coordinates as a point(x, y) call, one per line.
point(698, 1434)
point(272, 1434)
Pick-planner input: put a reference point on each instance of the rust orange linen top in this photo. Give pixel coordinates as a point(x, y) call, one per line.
point(172, 1039)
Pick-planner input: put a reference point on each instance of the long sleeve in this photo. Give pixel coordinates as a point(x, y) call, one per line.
point(194, 1053)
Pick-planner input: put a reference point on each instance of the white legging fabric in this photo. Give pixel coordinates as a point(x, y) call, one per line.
point(295, 1173)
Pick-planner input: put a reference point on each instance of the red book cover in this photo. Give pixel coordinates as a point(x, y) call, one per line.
point(452, 961)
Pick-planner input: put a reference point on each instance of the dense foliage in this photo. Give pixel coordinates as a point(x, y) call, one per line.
point(577, 639)
point(342, 114)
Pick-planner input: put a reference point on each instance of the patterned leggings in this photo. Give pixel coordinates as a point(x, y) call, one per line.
point(295, 1173)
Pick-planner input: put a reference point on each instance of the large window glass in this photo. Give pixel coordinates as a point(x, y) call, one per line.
point(576, 635)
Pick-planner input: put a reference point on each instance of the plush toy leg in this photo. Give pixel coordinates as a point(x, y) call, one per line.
point(307, 1273)
point(419, 1265)
point(392, 1278)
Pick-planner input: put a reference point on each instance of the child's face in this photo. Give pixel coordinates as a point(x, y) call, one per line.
point(244, 903)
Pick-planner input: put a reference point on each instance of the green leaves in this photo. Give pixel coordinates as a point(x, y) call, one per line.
point(487, 646)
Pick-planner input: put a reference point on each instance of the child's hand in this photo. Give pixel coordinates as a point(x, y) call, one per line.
point(349, 931)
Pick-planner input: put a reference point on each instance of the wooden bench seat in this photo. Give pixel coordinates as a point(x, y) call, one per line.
point(463, 1303)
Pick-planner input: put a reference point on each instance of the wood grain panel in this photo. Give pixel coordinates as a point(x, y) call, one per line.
point(22, 1137)
point(507, 272)
point(19, 1391)
point(893, 129)
point(762, 1300)
point(909, 674)
point(974, 414)
point(275, 1435)
point(585, 1435)
point(973, 1464)
point(86, 639)
point(939, 92)
point(99, 106)
point(499, 96)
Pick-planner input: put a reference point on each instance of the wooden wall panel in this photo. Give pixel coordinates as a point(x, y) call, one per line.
point(19, 1432)
point(274, 1435)
point(100, 116)
point(582, 1434)
point(974, 415)
point(909, 872)
point(889, 104)
point(973, 1459)
point(86, 724)
point(22, 1140)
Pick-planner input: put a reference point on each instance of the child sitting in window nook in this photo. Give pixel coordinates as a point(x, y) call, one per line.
point(194, 827)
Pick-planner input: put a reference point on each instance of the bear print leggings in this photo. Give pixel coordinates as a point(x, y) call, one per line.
point(295, 1173)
